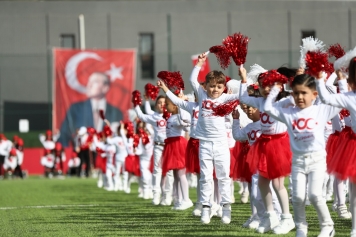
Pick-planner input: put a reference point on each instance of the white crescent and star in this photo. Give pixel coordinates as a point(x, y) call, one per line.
point(72, 65)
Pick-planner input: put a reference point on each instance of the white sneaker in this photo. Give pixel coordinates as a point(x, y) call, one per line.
point(353, 233)
point(175, 205)
point(146, 195)
point(218, 212)
point(100, 184)
point(226, 214)
point(232, 199)
point(244, 197)
point(327, 231)
point(128, 190)
point(247, 223)
point(285, 225)
point(166, 201)
point(255, 223)
point(343, 212)
point(205, 215)
point(156, 199)
point(269, 222)
point(197, 210)
point(140, 195)
point(110, 188)
point(301, 232)
point(184, 205)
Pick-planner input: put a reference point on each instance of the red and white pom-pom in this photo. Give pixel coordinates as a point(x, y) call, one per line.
point(222, 55)
point(336, 51)
point(136, 140)
point(226, 108)
point(236, 45)
point(317, 62)
point(173, 80)
point(136, 98)
point(271, 77)
point(151, 91)
point(343, 62)
point(166, 114)
point(102, 115)
point(309, 44)
point(255, 71)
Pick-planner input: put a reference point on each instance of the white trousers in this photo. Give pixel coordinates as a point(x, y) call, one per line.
point(309, 168)
point(214, 154)
point(146, 176)
point(157, 169)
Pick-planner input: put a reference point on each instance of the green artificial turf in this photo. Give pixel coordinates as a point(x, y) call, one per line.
point(76, 207)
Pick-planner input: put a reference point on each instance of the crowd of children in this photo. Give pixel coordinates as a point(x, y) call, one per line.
point(11, 157)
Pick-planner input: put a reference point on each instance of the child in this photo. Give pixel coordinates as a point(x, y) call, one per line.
point(173, 155)
point(73, 164)
point(48, 160)
point(213, 145)
point(306, 123)
point(345, 153)
point(10, 162)
point(271, 156)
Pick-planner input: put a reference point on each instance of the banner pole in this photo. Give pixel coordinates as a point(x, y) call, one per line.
point(82, 31)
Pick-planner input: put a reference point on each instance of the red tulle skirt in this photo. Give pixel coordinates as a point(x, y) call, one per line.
point(100, 163)
point(271, 156)
point(242, 169)
point(331, 146)
point(132, 165)
point(232, 163)
point(192, 156)
point(343, 162)
point(173, 155)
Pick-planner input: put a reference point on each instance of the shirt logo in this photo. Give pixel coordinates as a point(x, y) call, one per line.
point(265, 118)
point(161, 123)
point(252, 135)
point(303, 123)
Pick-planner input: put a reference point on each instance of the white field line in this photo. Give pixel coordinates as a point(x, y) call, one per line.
point(50, 206)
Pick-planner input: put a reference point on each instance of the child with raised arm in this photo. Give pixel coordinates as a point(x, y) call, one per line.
point(345, 153)
point(159, 127)
point(271, 156)
point(213, 146)
point(306, 123)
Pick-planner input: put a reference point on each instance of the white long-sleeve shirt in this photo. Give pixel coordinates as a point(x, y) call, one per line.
point(343, 100)
point(269, 126)
point(190, 107)
point(147, 150)
point(209, 127)
point(157, 121)
point(5, 147)
point(148, 108)
point(121, 153)
point(249, 133)
point(305, 126)
point(176, 126)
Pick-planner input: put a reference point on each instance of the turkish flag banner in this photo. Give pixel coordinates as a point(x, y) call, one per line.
point(205, 69)
point(87, 81)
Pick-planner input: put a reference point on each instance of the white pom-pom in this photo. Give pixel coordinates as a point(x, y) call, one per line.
point(190, 97)
point(234, 86)
point(312, 45)
point(343, 62)
point(255, 71)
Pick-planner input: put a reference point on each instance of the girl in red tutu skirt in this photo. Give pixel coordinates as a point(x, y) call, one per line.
point(270, 155)
point(345, 167)
point(306, 126)
point(174, 152)
point(332, 159)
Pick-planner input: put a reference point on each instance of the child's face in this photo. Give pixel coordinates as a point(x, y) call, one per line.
point(244, 108)
point(214, 90)
point(264, 90)
point(171, 108)
point(303, 96)
point(253, 114)
point(160, 105)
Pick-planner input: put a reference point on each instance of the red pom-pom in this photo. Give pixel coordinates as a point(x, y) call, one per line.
point(58, 146)
point(317, 62)
point(336, 51)
point(226, 108)
point(173, 80)
point(136, 98)
point(136, 140)
point(101, 113)
point(151, 91)
point(254, 86)
point(107, 131)
point(166, 114)
point(236, 45)
point(344, 113)
point(222, 55)
point(144, 136)
point(270, 77)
